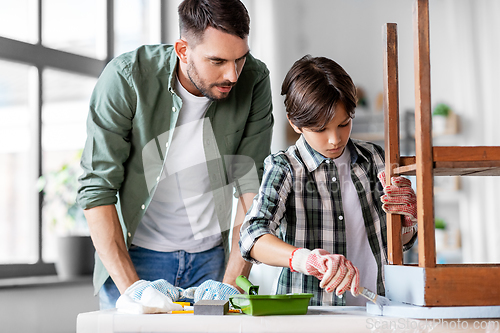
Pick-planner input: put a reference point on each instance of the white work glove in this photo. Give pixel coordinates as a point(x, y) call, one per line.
point(149, 297)
point(186, 294)
point(333, 270)
point(214, 290)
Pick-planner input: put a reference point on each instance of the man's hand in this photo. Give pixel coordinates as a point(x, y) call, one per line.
point(236, 265)
point(399, 198)
point(214, 290)
point(334, 270)
point(149, 297)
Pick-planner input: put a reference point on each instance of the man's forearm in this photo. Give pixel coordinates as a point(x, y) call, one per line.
point(107, 236)
point(236, 265)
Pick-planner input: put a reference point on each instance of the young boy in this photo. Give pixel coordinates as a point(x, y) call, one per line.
point(323, 194)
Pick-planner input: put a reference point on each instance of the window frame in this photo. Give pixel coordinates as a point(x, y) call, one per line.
point(42, 57)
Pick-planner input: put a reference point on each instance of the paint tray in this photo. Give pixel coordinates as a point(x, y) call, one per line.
point(265, 305)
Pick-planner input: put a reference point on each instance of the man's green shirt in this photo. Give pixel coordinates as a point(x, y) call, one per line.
point(132, 117)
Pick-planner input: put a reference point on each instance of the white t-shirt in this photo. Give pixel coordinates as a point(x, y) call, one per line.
point(181, 215)
point(358, 248)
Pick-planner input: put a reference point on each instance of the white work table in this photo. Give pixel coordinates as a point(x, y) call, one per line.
point(318, 319)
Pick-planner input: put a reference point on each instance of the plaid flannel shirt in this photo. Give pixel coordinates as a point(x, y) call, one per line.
point(300, 203)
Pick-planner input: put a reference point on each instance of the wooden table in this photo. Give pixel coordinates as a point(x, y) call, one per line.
point(318, 319)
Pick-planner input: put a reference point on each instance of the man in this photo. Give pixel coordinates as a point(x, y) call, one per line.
point(171, 129)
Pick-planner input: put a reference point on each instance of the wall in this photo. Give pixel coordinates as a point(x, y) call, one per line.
point(349, 32)
point(45, 309)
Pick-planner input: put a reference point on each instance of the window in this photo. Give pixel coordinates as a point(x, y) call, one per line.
point(18, 20)
point(75, 26)
point(51, 53)
point(63, 137)
point(136, 23)
point(18, 170)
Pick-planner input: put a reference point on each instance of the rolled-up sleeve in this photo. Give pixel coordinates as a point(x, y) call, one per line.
point(268, 209)
point(107, 147)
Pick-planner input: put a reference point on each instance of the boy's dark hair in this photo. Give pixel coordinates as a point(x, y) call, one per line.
point(313, 87)
point(230, 16)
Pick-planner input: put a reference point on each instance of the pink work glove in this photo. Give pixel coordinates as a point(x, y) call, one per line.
point(334, 270)
point(399, 198)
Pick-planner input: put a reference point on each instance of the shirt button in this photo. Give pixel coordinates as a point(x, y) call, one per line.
point(341, 217)
point(334, 179)
point(173, 109)
point(143, 206)
point(328, 161)
point(166, 144)
point(158, 179)
point(129, 234)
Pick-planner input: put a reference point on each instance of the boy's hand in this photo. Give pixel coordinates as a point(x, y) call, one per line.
point(334, 270)
point(399, 198)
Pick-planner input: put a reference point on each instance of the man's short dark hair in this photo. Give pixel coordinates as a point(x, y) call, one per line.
point(230, 16)
point(313, 87)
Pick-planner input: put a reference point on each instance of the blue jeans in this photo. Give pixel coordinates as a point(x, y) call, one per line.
point(180, 268)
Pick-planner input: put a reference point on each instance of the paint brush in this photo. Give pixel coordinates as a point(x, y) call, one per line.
point(381, 301)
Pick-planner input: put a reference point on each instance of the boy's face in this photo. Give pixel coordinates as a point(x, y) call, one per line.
point(330, 141)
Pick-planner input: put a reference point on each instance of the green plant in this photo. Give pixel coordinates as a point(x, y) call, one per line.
point(441, 110)
point(59, 189)
point(439, 223)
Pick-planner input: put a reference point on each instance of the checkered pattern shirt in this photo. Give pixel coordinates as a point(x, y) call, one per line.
point(300, 203)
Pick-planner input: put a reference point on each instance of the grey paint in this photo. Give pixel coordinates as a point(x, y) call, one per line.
point(401, 310)
point(405, 284)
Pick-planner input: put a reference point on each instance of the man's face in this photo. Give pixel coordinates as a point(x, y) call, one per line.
point(215, 63)
point(331, 140)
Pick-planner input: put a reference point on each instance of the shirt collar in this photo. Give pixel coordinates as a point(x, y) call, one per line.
point(312, 159)
point(357, 155)
point(172, 65)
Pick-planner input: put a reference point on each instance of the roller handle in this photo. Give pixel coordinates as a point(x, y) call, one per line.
point(247, 286)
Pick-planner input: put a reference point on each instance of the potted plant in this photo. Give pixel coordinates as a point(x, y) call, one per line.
point(440, 118)
point(440, 234)
point(75, 251)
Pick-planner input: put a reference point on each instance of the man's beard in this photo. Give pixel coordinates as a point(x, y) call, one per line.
point(192, 74)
